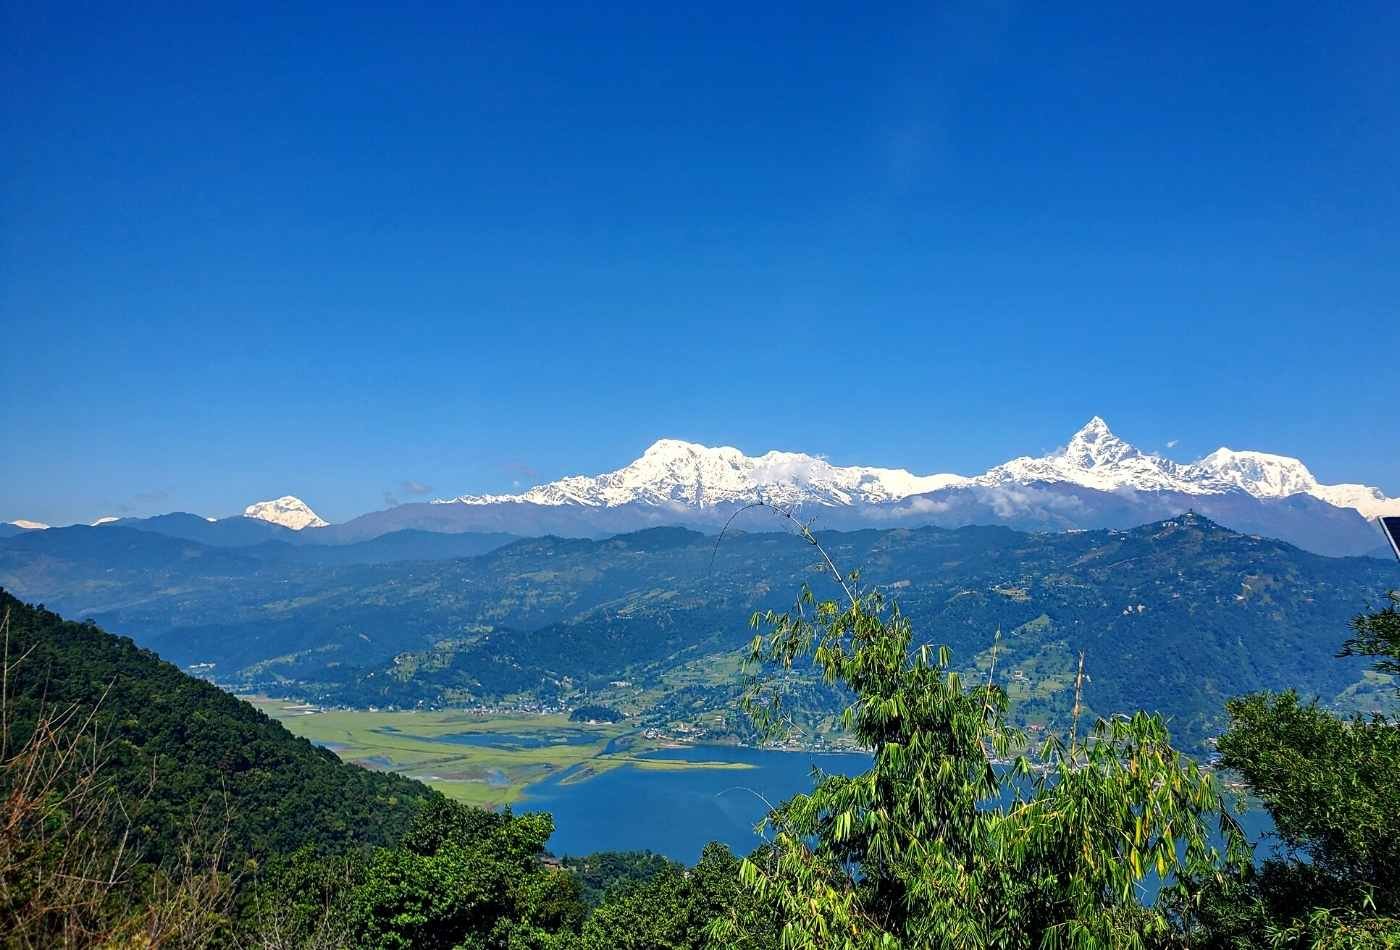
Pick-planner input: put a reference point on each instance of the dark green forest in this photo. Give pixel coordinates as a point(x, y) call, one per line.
point(146, 808)
point(184, 751)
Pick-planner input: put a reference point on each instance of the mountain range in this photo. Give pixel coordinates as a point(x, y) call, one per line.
point(672, 472)
point(1097, 480)
point(1174, 616)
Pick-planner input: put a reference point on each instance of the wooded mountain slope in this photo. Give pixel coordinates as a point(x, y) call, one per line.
point(182, 751)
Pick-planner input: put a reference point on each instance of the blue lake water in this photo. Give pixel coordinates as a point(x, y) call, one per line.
point(678, 813)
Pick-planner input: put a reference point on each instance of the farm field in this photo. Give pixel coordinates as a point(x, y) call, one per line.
point(480, 759)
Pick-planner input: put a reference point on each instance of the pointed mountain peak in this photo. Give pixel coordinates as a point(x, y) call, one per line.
point(1095, 445)
point(289, 511)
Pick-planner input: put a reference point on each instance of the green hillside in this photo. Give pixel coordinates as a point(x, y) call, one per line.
point(182, 751)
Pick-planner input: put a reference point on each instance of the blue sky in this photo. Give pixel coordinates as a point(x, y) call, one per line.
point(332, 250)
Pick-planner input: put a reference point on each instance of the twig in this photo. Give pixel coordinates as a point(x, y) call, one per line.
point(1074, 716)
point(804, 529)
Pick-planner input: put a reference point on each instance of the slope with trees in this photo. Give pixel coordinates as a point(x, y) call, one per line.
point(181, 750)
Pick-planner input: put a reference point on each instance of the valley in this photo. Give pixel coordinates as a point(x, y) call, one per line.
point(1173, 616)
point(486, 760)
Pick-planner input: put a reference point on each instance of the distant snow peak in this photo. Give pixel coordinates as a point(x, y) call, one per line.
point(1095, 445)
point(1278, 476)
point(1096, 458)
point(677, 473)
point(288, 511)
point(687, 475)
point(28, 525)
point(1260, 474)
point(105, 519)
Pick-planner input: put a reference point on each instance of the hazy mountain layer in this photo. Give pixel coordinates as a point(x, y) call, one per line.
point(1176, 615)
point(1097, 480)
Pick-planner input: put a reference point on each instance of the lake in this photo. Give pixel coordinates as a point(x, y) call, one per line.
point(676, 813)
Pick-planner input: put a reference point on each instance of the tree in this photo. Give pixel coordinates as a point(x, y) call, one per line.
point(71, 873)
point(465, 878)
point(955, 837)
point(1377, 634)
point(673, 909)
point(604, 871)
point(1332, 787)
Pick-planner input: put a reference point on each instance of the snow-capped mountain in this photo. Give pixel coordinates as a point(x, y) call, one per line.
point(28, 525)
point(288, 511)
point(687, 475)
point(1097, 480)
point(1096, 458)
point(684, 475)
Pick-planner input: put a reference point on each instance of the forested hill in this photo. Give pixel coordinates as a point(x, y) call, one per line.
point(1175, 616)
point(183, 752)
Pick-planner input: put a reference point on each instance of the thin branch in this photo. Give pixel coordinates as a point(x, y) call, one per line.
point(803, 529)
point(1078, 696)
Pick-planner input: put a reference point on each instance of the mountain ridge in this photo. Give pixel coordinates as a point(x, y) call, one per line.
point(1096, 480)
point(1174, 615)
point(672, 471)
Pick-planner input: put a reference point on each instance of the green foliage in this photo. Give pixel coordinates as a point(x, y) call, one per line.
point(595, 713)
point(601, 872)
point(1324, 929)
point(461, 877)
point(1332, 787)
point(179, 751)
point(939, 846)
point(464, 878)
point(1377, 634)
point(675, 910)
point(296, 899)
point(960, 834)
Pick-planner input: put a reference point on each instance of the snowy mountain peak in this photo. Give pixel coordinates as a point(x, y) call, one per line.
point(1259, 473)
point(288, 511)
point(689, 476)
point(675, 473)
point(1095, 445)
point(28, 525)
point(677, 448)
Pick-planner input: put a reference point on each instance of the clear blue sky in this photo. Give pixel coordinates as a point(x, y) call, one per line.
point(327, 250)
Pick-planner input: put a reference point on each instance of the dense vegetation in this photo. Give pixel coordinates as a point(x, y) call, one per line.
point(1332, 787)
point(936, 846)
point(962, 833)
point(603, 871)
point(180, 751)
point(1174, 617)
